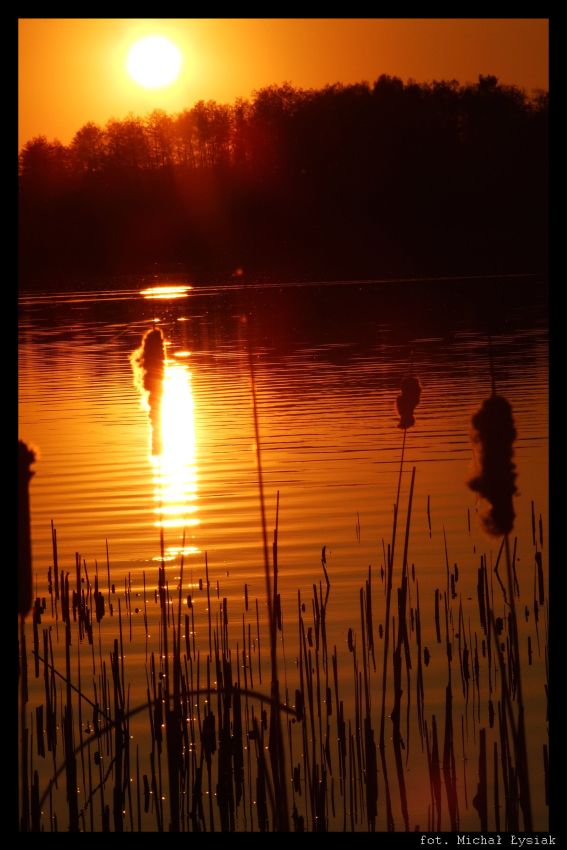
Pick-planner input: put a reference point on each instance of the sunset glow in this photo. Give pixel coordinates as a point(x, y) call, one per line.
point(227, 59)
point(326, 446)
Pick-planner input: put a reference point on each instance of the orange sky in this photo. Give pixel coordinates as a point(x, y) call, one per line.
point(72, 70)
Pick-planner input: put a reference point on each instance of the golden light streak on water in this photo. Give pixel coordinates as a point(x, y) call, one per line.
point(175, 468)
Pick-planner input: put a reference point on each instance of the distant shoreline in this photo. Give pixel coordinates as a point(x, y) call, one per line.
point(121, 282)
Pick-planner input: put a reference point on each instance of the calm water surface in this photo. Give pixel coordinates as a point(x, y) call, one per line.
point(328, 363)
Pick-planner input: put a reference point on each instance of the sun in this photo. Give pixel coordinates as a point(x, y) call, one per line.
point(154, 62)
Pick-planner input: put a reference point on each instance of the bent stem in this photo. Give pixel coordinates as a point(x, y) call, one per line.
point(390, 569)
point(278, 755)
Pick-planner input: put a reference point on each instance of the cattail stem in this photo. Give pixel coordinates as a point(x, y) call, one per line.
point(25, 582)
point(279, 761)
point(390, 567)
point(521, 747)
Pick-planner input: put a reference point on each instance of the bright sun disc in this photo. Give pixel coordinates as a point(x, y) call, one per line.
point(154, 62)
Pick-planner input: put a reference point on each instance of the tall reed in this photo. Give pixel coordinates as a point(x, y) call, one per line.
point(493, 435)
point(210, 752)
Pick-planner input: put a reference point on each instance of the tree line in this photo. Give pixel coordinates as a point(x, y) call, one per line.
point(343, 181)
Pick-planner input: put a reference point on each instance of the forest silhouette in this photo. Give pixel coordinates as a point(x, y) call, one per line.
point(347, 181)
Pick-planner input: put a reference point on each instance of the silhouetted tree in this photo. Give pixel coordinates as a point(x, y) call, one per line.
point(44, 165)
point(161, 140)
point(365, 179)
point(128, 145)
point(88, 150)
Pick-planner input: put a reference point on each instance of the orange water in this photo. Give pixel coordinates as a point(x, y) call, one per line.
point(328, 362)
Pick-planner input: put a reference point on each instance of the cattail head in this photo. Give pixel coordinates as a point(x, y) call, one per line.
point(407, 401)
point(148, 363)
point(26, 457)
point(493, 435)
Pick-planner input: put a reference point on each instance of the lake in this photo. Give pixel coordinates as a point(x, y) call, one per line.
point(327, 361)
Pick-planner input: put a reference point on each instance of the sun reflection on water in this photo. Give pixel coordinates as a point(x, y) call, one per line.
point(175, 468)
point(166, 293)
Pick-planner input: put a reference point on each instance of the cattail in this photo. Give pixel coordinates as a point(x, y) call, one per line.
point(148, 366)
point(493, 433)
point(407, 401)
point(150, 358)
point(26, 457)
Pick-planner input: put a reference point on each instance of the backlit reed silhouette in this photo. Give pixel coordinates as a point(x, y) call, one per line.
point(26, 457)
point(207, 756)
point(276, 741)
point(218, 751)
point(493, 435)
point(148, 367)
point(407, 401)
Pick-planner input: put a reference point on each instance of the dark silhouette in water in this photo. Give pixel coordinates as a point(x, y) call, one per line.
point(344, 182)
point(407, 402)
point(148, 365)
point(26, 457)
point(493, 434)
